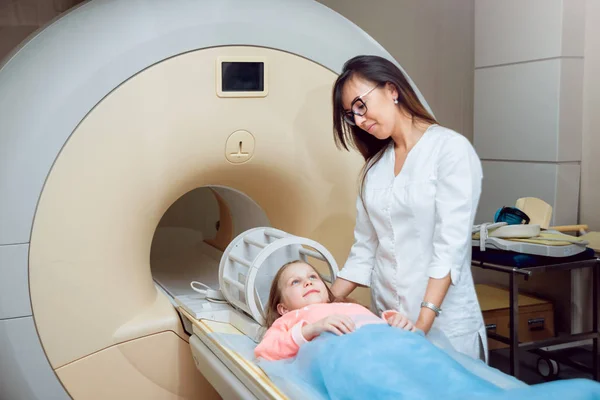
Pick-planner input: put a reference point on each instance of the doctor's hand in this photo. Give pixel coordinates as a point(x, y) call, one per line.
point(337, 324)
point(398, 320)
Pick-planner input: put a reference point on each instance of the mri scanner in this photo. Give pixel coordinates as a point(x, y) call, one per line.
point(138, 139)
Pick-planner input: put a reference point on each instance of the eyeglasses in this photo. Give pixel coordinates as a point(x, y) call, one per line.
point(358, 107)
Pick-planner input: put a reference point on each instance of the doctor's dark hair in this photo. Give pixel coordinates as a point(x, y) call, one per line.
point(275, 294)
point(380, 71)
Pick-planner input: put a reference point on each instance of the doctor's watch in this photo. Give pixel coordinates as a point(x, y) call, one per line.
point(433, 307)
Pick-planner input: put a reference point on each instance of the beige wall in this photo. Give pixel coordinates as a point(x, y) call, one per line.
point(590, 162)
point(433, 40)
point(20, 18)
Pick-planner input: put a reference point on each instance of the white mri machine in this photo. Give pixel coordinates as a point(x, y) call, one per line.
point(138, 139)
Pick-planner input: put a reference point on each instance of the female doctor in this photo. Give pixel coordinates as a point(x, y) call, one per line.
point(418, 194)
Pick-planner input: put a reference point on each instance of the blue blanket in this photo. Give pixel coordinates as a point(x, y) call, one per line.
point(381, 362)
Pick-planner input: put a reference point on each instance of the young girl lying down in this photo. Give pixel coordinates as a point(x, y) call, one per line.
point(301, 307)
point(341, 350)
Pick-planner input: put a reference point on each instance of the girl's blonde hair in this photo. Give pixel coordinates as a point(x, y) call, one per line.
point(275, 294)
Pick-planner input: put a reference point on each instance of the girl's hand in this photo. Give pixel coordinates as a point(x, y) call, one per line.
point(337, 324)
point(398, 320)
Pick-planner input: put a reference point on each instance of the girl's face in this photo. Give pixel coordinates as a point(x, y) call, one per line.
point(300, 286)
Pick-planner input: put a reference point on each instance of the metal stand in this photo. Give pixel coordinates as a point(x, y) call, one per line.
point(536, 346)
point(514, 324)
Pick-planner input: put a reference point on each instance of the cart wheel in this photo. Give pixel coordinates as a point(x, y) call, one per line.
point(548, 368)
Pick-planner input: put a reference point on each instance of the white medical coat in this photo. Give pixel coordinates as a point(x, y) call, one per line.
point(417, 225)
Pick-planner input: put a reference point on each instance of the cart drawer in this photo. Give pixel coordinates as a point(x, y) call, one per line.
point(536, 316)
point(532, 326)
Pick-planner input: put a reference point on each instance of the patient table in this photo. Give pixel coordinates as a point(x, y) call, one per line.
point(217, 362)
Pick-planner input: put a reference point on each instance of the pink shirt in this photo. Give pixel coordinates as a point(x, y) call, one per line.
point(284, 338)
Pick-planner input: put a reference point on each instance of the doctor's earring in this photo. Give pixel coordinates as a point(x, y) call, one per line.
point(395, 101)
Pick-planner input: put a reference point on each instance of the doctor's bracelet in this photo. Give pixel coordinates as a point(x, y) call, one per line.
point(432, 307)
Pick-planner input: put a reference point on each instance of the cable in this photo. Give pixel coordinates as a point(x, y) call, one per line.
point(216, 296)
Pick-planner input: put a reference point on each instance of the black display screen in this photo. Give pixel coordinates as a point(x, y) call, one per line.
point(242, 76)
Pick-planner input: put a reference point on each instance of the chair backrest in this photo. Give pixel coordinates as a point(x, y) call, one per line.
point(538, 211)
